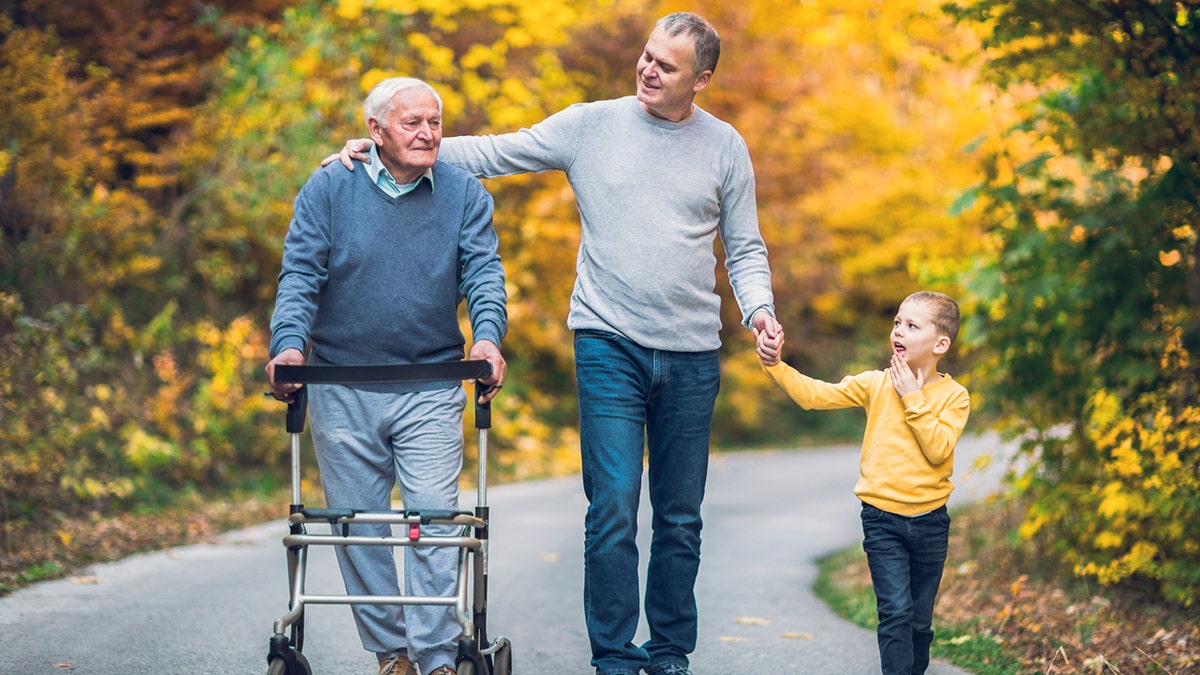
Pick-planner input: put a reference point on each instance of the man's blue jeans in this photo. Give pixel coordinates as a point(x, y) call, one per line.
point(906, 557)
point(630, 399)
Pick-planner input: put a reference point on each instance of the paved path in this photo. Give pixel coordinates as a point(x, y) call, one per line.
point(209, 608)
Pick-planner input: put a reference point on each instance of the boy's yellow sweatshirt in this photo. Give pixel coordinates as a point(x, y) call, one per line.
point(908, 447)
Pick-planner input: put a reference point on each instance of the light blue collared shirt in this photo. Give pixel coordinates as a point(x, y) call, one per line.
point(386, 182)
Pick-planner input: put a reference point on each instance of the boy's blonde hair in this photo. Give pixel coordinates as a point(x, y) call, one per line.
point(946, 316)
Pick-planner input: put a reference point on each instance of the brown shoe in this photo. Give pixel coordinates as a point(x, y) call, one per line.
point(444, 670)
point(397, 665)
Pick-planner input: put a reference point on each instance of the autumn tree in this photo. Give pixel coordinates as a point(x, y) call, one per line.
point(141, 250)
point(1087, 301)
point(104, 329)
point(861, 121)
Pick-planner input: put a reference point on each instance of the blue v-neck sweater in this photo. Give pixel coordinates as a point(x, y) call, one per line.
point(373, 279)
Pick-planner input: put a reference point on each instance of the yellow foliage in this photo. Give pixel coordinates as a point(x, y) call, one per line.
point(373, 77)
point(1116, 502)
point(1126, 460)
point(1137, 521)
point(1032, 525)
point(351, 10)
point(1139, 558)
point(99, 417)
point(481, 55)
point(145, 451)
point(1108, 540)
point(475, 88)
point(439, 60)
point(307, 63)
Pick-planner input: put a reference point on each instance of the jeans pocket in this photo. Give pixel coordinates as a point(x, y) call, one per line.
point(870, 514)
point(942, 516)
point(585, 333)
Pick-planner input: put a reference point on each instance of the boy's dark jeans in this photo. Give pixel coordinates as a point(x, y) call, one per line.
point(906, 557)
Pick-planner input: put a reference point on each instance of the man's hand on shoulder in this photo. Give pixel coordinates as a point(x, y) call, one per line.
point(355, 148)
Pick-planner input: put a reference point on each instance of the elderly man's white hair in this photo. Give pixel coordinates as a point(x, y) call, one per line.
point(381, 100)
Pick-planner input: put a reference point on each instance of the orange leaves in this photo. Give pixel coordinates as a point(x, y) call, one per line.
point(856, 115)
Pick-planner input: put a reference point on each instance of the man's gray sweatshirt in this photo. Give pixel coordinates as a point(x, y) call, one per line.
point(652, 196)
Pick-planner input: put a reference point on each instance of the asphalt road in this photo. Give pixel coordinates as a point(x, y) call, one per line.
point(210, 608)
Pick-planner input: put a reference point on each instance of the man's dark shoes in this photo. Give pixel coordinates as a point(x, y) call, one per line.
point(669, 668)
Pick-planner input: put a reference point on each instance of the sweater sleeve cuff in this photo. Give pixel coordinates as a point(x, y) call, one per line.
point(487, 330)
point(287, 342)
point(748, 322)
point(914, 400)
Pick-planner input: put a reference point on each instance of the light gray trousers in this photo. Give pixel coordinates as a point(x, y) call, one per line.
point(365, 443)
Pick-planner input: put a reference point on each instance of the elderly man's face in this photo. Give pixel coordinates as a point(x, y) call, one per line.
point(408, 144)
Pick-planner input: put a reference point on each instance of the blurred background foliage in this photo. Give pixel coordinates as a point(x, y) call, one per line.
point(1038, 160)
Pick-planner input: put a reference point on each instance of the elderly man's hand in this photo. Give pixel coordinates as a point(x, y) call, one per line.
point(284, 390)
point(487, 350)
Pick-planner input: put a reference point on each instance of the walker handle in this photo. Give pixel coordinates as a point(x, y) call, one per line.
point(297, 407)
point(378, 374)
point(483, 411)
point(384, 374)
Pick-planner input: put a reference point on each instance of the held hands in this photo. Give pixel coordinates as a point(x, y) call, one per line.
point(488, 351)
point(768, 337)
point(355, 148)
point(903, 378)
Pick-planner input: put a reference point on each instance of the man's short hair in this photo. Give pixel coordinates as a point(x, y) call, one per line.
point(944, 311)
point(704, 37)
point(381, 101)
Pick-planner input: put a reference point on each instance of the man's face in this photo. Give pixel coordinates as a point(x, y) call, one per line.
point(408, 144)
point(667, 81)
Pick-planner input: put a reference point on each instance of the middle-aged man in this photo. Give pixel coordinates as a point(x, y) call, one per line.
point(656, 179)
point(375, 265)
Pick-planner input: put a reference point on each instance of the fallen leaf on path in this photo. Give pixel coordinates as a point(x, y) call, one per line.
point(752, 621)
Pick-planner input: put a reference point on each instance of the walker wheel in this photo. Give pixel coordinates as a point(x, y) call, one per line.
point(279, 666)
point(502, 660)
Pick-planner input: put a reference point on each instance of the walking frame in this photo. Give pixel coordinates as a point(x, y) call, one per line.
point(476, 654)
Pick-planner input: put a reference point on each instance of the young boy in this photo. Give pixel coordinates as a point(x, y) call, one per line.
point(914, 418)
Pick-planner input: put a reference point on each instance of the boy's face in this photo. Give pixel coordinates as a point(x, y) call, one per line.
point(914, 336)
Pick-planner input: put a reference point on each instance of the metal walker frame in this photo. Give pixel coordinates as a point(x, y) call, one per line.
point(476, 654)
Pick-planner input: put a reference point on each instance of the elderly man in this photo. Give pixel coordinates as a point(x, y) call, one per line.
point(656, 179)
point(375, 265)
